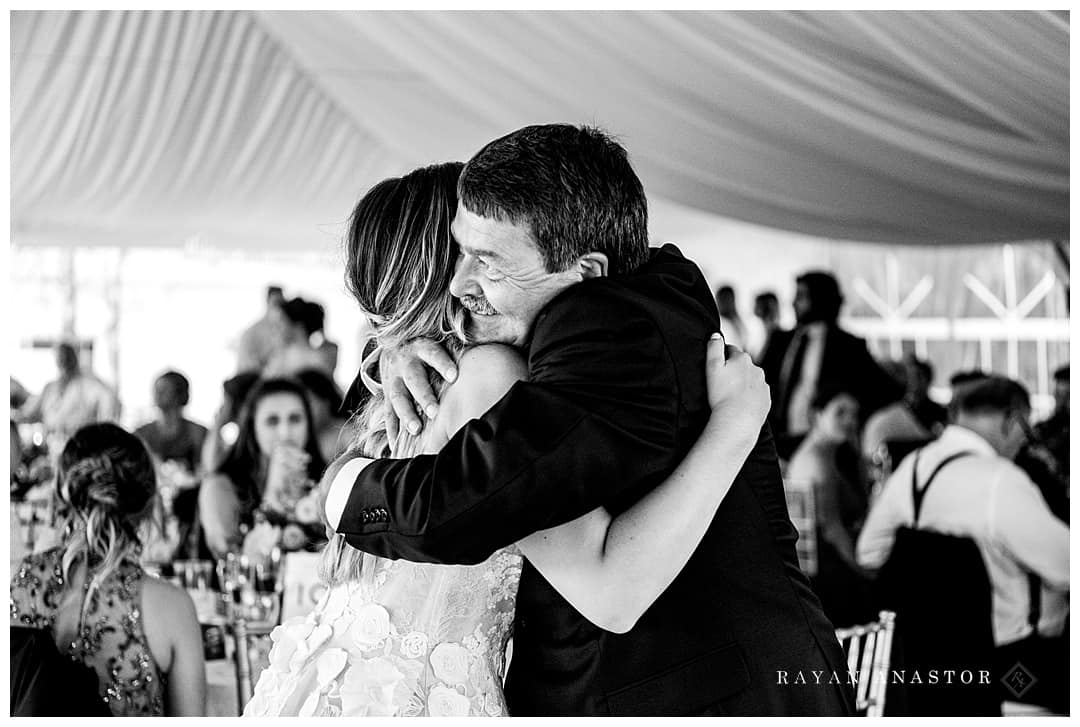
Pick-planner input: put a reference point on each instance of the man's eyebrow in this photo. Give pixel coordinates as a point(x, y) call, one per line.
point(481, 252)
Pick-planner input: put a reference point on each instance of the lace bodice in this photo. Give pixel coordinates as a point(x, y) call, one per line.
point(405, 639)
point(110, 639)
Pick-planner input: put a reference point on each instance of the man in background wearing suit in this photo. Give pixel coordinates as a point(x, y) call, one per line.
point(818, 353)
point(615, 398)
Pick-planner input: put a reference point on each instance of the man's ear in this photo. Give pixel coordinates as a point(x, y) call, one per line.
point(593, 265)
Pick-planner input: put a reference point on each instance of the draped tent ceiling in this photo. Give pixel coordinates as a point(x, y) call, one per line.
point(251, 128)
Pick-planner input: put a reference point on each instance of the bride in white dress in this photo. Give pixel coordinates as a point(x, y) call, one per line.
point(395, 638)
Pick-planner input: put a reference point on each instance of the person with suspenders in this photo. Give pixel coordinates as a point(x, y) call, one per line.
point(964, 484)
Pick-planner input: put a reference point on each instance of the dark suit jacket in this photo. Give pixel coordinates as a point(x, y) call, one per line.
point(616, 397)
point(846, 363)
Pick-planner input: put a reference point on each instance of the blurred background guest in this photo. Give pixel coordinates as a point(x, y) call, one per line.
point(324, 397)
point(297, 353)
point(262, 339)
point(223, 428)
point(138, 633)
point(767, 312)
point(17, 546)
point(731, 324)
point(315, 323)
point(971, 488)
point(275, 461)
point(827, 461)
point(916, 417)
point(820, 353)
point(1045, 455)
point(77, 397)
point(1054, 430)
point(176, 444)
point(17, 394)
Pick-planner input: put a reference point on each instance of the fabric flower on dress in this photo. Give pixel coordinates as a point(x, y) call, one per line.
point(287, 638)
point(445, 702)
point(414, 645)
point(368, 688)
point(310, 705)
point(370, 625)
point(450, 662)
point(329, 665)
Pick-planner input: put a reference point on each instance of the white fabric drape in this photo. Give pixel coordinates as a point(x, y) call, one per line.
point(914, 127)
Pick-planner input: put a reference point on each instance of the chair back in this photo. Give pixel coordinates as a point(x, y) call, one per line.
point(801, 510)
point(247, 638)
point(939, 589)
point(869, 652)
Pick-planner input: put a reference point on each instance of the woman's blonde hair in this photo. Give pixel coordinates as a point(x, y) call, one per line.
point(400, 260)
point(106, 489)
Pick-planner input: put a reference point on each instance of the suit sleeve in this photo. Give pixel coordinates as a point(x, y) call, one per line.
point(595, 423)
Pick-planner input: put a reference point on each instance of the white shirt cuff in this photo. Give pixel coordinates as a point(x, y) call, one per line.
point(340, 489)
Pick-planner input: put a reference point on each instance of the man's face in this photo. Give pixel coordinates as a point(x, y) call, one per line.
point(67, 361)
point(1016, 428)
point(803, 304)
point(165, 395)
point(501, 279)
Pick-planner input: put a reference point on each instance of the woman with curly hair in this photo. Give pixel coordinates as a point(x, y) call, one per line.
point(139, 634)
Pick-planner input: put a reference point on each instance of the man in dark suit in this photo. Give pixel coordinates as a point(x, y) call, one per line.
point(615, 398)
point(820, 354)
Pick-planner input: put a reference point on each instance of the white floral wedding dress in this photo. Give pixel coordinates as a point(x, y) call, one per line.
point(406, 640)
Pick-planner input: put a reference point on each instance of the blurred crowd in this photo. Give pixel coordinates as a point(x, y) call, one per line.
point(860, 442)
point(172, 493)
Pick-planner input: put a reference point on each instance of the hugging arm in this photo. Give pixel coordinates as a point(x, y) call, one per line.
point(595, 424)
point(612, 568)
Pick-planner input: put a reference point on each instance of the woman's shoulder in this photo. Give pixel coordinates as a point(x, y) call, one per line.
point(485, 357)
point(487, 367)
point(485, 374)
point(168, 603)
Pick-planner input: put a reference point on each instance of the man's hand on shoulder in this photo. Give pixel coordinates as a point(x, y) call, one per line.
point(404, 373)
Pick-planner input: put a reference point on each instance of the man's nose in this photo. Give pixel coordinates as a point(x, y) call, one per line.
point(463, 282)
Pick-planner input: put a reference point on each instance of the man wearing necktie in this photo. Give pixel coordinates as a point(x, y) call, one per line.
point(818, 352)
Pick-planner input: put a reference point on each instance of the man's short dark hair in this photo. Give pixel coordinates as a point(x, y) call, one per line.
point(274, 291)
point(991, 394)
point(180, 385)
point(824, 292)
point(768, 297)
point(1062, 374)
point(572, 187)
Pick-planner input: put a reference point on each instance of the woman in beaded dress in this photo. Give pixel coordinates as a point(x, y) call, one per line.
point(139, 634)
point(396, 638)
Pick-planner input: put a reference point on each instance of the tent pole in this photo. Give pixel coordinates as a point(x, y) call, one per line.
point(67, 278)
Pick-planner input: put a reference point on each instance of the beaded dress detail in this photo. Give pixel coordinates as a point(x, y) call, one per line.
point(110, 637)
